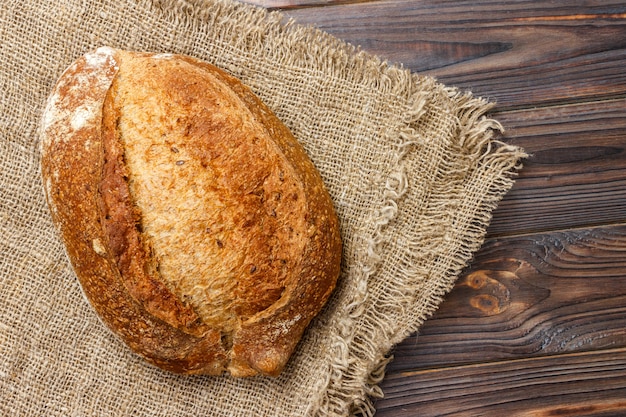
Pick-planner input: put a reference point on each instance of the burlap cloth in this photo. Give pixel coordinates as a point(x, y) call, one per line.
point(411, 165)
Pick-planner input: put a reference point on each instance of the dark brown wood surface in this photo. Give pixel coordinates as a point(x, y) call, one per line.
point(536, 325)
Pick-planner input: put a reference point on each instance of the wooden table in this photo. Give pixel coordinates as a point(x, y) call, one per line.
point(537, 324)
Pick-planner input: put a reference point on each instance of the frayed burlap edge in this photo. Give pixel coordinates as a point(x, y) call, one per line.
point(495, 156)
point(354, 384)
point(358, 365)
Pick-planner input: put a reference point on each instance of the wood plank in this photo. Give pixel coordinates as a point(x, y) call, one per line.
point(521, 54)
point(528, 296)
point(586, 383)
point(576, 175)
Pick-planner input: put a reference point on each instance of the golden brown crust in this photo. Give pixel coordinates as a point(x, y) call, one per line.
point(275, 253)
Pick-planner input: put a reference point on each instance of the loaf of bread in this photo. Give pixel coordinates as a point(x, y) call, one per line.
point(199, 230)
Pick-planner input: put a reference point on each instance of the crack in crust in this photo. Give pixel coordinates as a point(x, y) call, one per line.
point(122, 223)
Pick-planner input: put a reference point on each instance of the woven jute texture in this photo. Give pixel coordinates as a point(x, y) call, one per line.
point(412, 166)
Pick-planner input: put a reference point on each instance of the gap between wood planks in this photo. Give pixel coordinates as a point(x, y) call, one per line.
point(571, 361)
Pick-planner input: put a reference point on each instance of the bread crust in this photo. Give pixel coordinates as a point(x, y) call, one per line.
point(86, 166)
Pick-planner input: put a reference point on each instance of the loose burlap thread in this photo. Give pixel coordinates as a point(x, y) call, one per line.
point(411, 165)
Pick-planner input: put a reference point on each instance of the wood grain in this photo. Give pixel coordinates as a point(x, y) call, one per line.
point(520, 54)
point(581, 384)
point(528, 296)
point(576, 175)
